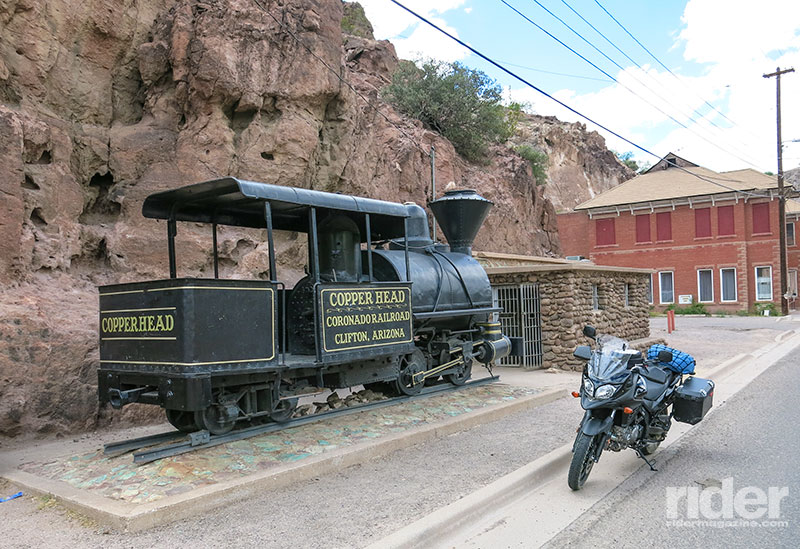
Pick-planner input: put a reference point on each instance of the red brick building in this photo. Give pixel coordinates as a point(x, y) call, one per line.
point(710, 237)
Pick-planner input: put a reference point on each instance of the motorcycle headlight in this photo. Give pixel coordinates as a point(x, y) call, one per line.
point(605, 391)
point(588, 387)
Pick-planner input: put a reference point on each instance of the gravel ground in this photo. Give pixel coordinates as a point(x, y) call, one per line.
point(712, 340)
point(352, 508)
point(361, 504)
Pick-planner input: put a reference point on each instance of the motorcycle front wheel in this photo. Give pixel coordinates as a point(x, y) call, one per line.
point(583, 459)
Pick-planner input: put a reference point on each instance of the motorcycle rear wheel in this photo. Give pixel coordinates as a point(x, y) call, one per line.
point(582, 459)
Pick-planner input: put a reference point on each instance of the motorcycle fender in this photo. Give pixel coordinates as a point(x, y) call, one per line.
point(594, 425)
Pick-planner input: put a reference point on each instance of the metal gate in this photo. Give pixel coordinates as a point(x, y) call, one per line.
point(521, 317)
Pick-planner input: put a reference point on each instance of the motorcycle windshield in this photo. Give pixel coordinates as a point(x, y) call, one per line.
point(610, 361)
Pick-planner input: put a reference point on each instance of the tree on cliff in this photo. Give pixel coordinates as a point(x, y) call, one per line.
point(462, 104)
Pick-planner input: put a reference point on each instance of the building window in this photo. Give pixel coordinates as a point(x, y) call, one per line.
point(727, 281)
point(643, 228)
point(663, 226)
point(595, 297)
point(666, 288)
point(650, 289)
point(761, 218)
point(705, 285)
point(764, 283)
point(605, 232)
point(626, 288)
point(790, 233)
point(702, 223)
point(725, 224)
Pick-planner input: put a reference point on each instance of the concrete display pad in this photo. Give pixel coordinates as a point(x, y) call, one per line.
point(125, 496)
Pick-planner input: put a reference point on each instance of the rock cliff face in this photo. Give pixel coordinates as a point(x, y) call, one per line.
point(103, 103)
point(579, 164)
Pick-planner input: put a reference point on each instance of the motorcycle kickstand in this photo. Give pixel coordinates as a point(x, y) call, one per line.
point(647, 461)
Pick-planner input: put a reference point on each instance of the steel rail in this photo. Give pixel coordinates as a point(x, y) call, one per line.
point(182, 443)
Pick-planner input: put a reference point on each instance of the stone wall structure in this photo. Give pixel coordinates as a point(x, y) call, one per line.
point(567, 303)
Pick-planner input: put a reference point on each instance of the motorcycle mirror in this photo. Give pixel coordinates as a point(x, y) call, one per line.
point(583, 352)
point(664, 356)
point(589, 331)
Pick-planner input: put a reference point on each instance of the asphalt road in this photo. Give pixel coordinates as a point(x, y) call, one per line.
point(753, 441)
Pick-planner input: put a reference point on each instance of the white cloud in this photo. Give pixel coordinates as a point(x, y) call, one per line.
point(411, 38)
point(736, 44)
point(389, 20)
point(426, 42)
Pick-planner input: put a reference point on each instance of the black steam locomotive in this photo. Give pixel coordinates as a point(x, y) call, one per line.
point(382, 305)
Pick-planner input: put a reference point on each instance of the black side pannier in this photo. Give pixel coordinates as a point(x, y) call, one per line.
point(693, 400)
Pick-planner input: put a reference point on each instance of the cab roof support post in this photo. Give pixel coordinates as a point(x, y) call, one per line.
point(216, 255)
point(172, 230)
point(312, 241)
point(369, 246)
point(268, 216)
point(405, 249)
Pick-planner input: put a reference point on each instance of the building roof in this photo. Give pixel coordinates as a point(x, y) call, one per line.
point(671, 183)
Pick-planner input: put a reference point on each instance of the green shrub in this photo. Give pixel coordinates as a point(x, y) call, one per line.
point(693, 309)
point(759, 309)
point(462, 104)
point(537, 159)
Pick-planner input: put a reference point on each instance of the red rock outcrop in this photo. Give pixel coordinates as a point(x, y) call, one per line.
point(103, 103)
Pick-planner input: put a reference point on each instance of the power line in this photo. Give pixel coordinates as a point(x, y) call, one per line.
point(339, 76)
point(739, 152)
point(710, 121)
point(571, 109)
point(675, 120)
point(659, 61)
point(555, 73)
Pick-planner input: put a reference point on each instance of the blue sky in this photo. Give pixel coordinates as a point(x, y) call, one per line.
point(718, 49)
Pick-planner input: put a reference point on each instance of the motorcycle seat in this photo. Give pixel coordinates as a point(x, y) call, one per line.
point(656, 374)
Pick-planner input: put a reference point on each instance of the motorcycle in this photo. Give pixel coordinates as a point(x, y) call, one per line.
point(631, 400)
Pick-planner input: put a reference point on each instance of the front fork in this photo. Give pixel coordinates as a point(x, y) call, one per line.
point(595, 426)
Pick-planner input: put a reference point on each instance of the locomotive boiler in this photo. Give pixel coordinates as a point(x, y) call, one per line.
point(381, 305)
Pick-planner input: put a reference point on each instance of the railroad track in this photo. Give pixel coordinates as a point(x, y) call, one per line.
point(173, 443)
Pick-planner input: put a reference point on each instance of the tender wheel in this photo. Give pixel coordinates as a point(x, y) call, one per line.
point(462, 375)
point(582, 460)
point(411, 364)
point(182, 421)
point(217, 419)
point(284, 410)
point(650, 448)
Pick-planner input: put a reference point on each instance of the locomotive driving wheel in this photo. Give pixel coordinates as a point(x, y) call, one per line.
point(408, 382)
point(462, 374)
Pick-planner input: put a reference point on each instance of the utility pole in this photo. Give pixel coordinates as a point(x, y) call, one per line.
point(781, 195)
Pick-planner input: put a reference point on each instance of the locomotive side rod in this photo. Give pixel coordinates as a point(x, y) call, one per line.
point(186, 446)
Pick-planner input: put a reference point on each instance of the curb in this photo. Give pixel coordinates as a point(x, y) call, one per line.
point(438, 526)
point(128, 517)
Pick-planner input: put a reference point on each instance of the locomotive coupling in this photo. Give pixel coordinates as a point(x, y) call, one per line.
point(118, 398)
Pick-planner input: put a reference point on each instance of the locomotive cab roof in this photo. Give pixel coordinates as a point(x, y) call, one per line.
point(237, 202)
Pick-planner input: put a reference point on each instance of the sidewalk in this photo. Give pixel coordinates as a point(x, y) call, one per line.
point(358, 502)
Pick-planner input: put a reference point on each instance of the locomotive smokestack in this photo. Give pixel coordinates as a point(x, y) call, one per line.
point(460, 214)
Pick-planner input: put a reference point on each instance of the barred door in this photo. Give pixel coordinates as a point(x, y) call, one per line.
point(520, 317)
